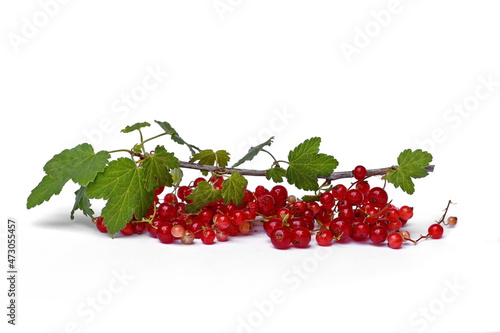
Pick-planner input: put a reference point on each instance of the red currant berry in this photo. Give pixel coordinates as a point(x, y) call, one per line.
point(354, 197)
point(280, 194)
point(452, 221)
point(395, 225)
point(208, 236)
point(222, 235)
point(198, 180)
point(378, 234)
point(359, 172)
point(159, 190)
point(260, 191)
point(152, 228)
point(139, 227)
point(164, 233)
point(187, 237)
point(406, 212)
point(339, 191)
point(99, 222)
point(327, 200)
point(222, 221)
point(360, 231)
point(166, 211)
point(363, 186)
point(128, 230)
point(272, 224)
point(395, 240)
point(177, 230)
point(324, 237)
point(436, 231)
point(280, 238)
point(340, 229)
point(266, 205)
point(377, 196)
point(301, 237)
point(245, 228)
point(183, 192)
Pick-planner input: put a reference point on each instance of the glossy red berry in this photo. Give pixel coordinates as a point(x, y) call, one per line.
point(208, 236)
point(128, 230)
point(280, 194)
point(301, 237)
point(324, 237)
point(377, 196)
point(436, 231)
point(406, 212)
point(280, 238)
point(378, 234)
point(99, 222)
point(164, 233)
point(395, 240)
point(359, 172)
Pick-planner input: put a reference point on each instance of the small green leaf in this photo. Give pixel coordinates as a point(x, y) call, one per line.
point(135, 126)
point(221, 158)
point(175, 136)
point(176, 175)
point(80, 164)
point(202, 195)
point(156, 168)
point(411, 164)
point(233, 189)
point(310, 198)
point(306, 164)
point(253, 151)
point(276, 174)
point(82, 202)
point(206, 157)
point(122, 184)
point(48, 187)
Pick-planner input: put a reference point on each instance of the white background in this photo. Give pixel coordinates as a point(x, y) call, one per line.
point(231, 71)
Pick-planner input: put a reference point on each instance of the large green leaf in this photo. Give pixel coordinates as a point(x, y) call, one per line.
point(122, 184)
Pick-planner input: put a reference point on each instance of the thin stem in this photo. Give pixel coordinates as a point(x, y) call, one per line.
point(445, 212)
point(154, 137)
point(274, 158)
point(261, 173)
point(142, 141)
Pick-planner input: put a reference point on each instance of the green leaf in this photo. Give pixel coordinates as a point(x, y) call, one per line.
point(411, 164)
point(48, 187)
point(176, 175)
point(276, 174)
point(221, 158)
point(310, 198)
point(80, 164)
point(156, 168)
point(175, 136)
point(306, 164)
point(202, 195)
point(135, 126)
point(206, 157)
point(209, 157)
point(253, 151)
point(233, 189)
point(82, 202)
point(122, 184)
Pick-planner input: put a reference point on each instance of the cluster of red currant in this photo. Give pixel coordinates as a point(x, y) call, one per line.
point(358, 213)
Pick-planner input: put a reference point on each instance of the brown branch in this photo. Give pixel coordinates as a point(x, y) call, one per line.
point(260, 173)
